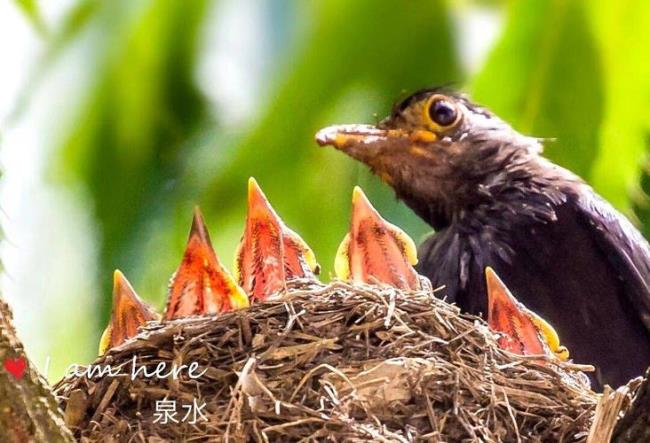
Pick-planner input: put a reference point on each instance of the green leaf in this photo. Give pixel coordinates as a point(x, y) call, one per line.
point(131, 132)
point(357, 58)
point(33, 14)
point(624, 39)
point(74, 22)
point(545, 77)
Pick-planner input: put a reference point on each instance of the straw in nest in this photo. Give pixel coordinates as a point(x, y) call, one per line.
point(334, 363)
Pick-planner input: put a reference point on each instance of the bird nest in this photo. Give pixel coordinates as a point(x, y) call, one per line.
point(335, 363)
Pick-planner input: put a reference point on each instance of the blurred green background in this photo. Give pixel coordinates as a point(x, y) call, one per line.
point(124, 114)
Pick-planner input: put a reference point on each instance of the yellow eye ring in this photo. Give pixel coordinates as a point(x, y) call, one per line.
point(441, 113)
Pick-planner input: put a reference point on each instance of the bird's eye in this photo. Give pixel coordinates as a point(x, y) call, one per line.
point(442, 112)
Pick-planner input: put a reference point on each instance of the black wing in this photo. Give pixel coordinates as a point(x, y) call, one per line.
point(585, 269)
point(624, 246)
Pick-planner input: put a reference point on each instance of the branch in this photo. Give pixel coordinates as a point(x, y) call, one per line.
point(635, 424)
point(28, 410)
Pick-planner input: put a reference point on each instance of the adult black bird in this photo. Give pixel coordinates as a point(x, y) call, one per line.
point(493, 200)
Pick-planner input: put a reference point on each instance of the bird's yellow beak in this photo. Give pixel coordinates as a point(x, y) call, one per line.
point(374, 250)
point(201, 285)
point(381, 149)
point(345, 137)
point(129, 313)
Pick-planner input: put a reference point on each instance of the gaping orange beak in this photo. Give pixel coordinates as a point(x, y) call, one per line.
point(201, 285)
point(524, 332)
point(375, 251)
point(269, 253)
point(129, 313)
point(520, 334)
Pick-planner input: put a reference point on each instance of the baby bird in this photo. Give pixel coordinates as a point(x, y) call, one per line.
point(270, 254)
point(201, 285)
point(376, 251)
point(522, 331)
point(129, 313)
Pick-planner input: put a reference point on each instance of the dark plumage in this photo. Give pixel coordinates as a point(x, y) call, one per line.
point(494, 201)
